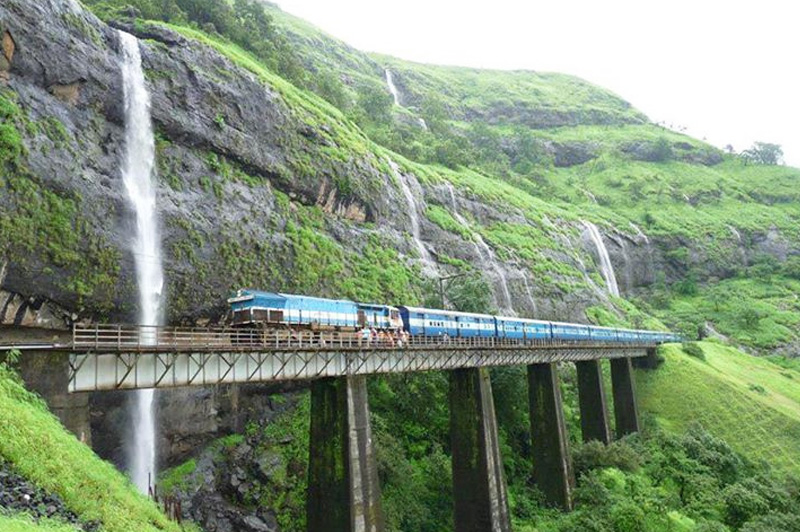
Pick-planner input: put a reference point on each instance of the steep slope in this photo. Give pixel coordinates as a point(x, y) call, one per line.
point(281, 176)
point(44, 453)
point(749, 402)
point(267, 184)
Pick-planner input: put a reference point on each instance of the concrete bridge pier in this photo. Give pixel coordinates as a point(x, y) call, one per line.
point(343, 490)
point(626, 413)
point(592, 402)
point(552, 464)
point(479, 486)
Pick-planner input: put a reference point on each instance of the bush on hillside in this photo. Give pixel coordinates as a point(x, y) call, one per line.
point(594, 455)
point(791, 268)
point(693, 349)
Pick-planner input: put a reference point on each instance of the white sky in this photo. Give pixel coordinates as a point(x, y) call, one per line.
point(728, 71)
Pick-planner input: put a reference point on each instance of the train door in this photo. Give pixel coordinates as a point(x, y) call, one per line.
point(362, 318)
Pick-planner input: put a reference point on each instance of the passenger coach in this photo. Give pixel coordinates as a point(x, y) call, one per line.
point(431, 322)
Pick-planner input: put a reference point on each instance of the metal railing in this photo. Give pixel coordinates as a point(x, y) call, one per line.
point(132, 338)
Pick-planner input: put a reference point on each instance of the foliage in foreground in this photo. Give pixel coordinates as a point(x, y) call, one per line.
point(42, 451)
point(22, 523)
point(677, 475)
point(662, 482)
point(750, 402)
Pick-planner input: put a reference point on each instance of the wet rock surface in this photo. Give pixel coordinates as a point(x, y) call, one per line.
point(222, 494)
point(216, 122)
point(19, 495)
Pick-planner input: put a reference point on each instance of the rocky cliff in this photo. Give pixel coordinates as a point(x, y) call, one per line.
point(265, 184)
point(253, 185)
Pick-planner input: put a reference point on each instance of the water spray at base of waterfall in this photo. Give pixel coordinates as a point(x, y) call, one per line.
point(137, 175)
point(144, 452)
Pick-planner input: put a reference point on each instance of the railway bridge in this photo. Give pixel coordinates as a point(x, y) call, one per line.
point(343, 492)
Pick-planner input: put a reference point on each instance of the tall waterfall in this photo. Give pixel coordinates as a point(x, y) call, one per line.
point(392, 88)
point(137, 174)
point(486, 254)
point(428, 264)
point(605, 261)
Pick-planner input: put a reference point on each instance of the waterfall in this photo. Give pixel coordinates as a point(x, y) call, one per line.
point(486, 254)
point(137, 174)
point(392, 88)
point(428, 264)
point(740, 243)
point(589, 195)
point(640, 233)
point(396, 96)
point(531, 300)
point(605, 261)
point(650, 258)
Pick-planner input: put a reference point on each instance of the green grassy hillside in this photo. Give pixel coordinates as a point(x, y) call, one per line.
point(21, 523)
point(749, 402)
point(43, 452)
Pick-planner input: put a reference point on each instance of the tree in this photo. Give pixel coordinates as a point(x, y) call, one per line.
point(470, 294)
point(763, 153)
point(376, 103)
point(662, 150)
point(791, 268)
point(749, 317)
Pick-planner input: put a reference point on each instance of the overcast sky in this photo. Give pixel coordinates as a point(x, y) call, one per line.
point(728, 71)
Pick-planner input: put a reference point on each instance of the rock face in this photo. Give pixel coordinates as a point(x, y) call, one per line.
point(246, 180)
point(236, 166)
point(32, 312)
point(187, 419)
point(223, 491)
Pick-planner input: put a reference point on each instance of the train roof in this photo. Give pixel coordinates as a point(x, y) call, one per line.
point(447, 312)
point(522, 320)
point(572, 324)
point(246, 294)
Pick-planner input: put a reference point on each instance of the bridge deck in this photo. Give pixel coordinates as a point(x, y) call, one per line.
point(126, 357)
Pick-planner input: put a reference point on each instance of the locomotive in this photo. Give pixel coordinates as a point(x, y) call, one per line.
point(275, 310)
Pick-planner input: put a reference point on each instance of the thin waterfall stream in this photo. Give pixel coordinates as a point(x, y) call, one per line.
point(606, 267)
point(392, 87)
point(396, 96)
point(485, 253)
point(137, 175)
point(428, 264)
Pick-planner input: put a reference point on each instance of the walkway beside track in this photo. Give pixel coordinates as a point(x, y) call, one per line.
point(107, 357)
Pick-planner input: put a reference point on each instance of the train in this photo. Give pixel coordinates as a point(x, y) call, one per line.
point(255, 308)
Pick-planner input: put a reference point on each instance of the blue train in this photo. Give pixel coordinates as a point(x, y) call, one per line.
point(269, 309)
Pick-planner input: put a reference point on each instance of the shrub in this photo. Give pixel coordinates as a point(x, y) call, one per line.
point(595, 455)
point(774, 522)
point(627, 517)
point(742, 504)
point(693, 349)
point(662, 150)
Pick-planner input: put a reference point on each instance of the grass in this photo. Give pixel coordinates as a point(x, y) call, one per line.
point(670, 200)
point(759, 310)
point(747, 401)
point(42, 451)
point(23, 523)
